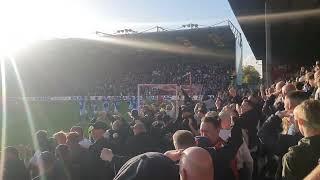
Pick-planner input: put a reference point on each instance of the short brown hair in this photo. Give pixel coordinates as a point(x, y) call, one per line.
point(183, 139)
point(214, 121)
point(297, 97)
point(73, 138)
point(309, 111)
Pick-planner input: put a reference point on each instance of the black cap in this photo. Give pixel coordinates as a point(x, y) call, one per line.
point(100, 125)
point(134, 113)
point(147, 166)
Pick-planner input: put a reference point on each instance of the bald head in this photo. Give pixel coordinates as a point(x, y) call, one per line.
point(288, 88)
point(196, 163)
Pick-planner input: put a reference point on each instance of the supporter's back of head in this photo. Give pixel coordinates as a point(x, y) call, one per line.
point(307, 115)
point(73, 138)
point(42, 138)
point(196, 163)
point(60, 137)
point(149, 166)
point(299, 86)
point(11, 153)
point(183, 139)
point(287, 88)
point(139, 128)
point(294, 98)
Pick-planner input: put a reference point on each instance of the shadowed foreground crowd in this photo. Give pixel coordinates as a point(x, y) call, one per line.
point(272, 133)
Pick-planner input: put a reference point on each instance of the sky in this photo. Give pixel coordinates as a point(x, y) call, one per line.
point(31, 20)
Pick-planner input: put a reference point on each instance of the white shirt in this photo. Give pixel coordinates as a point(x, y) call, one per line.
point(85, 143)
point(35, 157)
point(225, 134)
point(171, 113)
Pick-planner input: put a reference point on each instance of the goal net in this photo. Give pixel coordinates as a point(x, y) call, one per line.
point(164, 94)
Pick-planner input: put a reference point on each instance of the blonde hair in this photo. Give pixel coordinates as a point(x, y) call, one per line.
point(309, 111)
point(285, 125)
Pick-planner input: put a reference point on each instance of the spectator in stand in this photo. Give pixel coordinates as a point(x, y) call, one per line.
point(221, 152)
point(80, 157)
point(271, 132)
point(84, 142)
point(196, 163)
point(60, 137)
point(209, 102)
point(186, 121)
point(317, 82)
point(200, 111)
point(244, 160)
point(64, 163)
point(310, 86)
point(43, 142)
point(273, 102)
point(101, 169)
point(249, 117)
point(170, 110)
point(233, 97)
point(147, 166)
point(48, 168)
point(304, 157)
point(299, 86)
point(14, 168)
point(141, 142)
point(218, 104)
point(134, 115)
point(182, 139)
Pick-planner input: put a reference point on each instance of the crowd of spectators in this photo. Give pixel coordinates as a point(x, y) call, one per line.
point(212, 77)
point(272, 133)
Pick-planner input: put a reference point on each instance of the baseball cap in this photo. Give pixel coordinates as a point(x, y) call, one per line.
point(100, 125)
point(147, 166)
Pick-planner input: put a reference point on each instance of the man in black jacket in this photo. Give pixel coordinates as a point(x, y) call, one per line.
point(249, 117)
point(101, 169)
point(270, 133)
point(275, 102)
point(80, 157)
point(221, 157)
point(14, 168)
point(234, 98)
point(141, 142)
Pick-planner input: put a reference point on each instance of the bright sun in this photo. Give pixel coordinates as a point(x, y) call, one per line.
point(25, 21)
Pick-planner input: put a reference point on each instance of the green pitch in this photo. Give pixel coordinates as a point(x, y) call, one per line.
point(50, 116)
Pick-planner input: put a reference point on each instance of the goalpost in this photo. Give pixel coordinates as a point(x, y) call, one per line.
point(158, 92)
point(154, 93)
